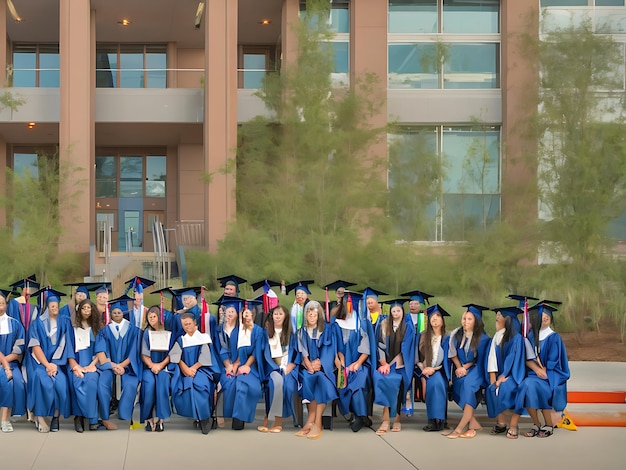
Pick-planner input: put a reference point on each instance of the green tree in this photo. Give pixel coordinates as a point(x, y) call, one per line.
point(306, 178)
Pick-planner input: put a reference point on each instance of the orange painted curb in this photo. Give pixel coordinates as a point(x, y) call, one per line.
point(596, 397)
point(616, 419)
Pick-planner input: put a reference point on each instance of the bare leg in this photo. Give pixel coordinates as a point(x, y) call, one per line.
point(384, 426)
point(316, 428)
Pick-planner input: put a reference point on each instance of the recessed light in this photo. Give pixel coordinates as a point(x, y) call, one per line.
point(124, 22)
point(265, 22)
point(30, 125)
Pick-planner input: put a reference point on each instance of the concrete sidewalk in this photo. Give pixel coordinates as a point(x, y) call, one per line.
point(181, 446)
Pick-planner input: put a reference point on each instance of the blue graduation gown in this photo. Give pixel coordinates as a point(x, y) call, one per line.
point(464, 389)
point(118, 350)
point(388, 387)
point(289, 381)
point(49, 393)
point(155, 389)
point(84, 392)
point(436, 384)
point(13, 393)
point(551, 393)
point(511, 364)
point(353, 343)
point(319, 386)
point(193, 397)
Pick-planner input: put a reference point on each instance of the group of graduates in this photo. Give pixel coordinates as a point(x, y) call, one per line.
point(88, 359)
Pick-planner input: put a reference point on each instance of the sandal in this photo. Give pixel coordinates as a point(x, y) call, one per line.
point(452, 435)
point(545, 431)
point(499, 429)
point(262, 429)
point(469, 434)
point(275, 429)
point(397, 427)
point(383, 428)
point(533, 431)
point(512, 433)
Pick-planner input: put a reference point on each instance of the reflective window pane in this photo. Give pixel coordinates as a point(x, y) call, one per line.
point(156, 173)
point(131, 66)
point(156, 65)
point(338, 20)
point(131, 176)
point(472, 66)
point(254, 70)
point(412, 16)
point(471, 16)
point(24, 66)
point(106, 176)
point(341, 52)
point(564, 3)
point(413, 66)
point(609, 3)
point(465, 213)
point(25, 163)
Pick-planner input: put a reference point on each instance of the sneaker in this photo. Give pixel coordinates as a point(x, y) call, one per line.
point(6, 426)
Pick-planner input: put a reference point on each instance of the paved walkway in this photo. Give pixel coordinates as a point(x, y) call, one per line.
point(181, 447)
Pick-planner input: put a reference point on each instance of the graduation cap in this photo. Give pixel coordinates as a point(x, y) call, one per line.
point(476, 309)
point(370, 292)
point(228, 302)
point(102, 287)
point(512, 312)
point(29, 281)
point(6, 293)
point(48, 294)
point(421, 297)
point(545, 307)
point(231, 280)
point(393, 302)
point(300, 285)
point(436, 308)
point(138, 283)
point(521, 299)
point(121, 303)
point(339, 283)
point(83, 287)
point(253, 304)
point(262, 282)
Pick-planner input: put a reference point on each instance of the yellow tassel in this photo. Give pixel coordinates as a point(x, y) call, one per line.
point(566, 422)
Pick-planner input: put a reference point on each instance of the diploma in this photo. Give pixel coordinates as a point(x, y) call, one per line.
point(159, 340)
point(83, 338)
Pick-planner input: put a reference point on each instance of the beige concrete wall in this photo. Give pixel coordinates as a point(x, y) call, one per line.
point(189, 59)
point(191, 188)
point(3, 43)
point(76, 125)
point(220, 116)
point(519, 101)
point(289, 43)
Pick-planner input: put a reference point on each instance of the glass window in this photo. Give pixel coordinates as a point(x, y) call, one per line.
point(609, 3)
point(564, 3)
point(24, 163)
point(254, 70)
point(472, 66)
point(156, 65)
point(49, 65)
point(339, 18)
point(24, 66)
point(106, 66)
point(156, 172)
point(462, 213)
point(341, 54)
point(131, 176)
point(617, 228)
point(471, 16)
point(413, 66)
point(106, 176)
point(131, 66)
point(413, 16)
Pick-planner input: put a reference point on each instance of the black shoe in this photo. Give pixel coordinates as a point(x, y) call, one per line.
point(367, 422)
point(238, 424)
point(498, 429)
point(356, 424)
point(54, 424)
point(431, 426)
point(159, 427)
point(205, 425)
point(78, 424)
point(213, 423)
point(149, 426)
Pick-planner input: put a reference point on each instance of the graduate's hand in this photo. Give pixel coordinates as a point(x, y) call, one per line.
point(291, 366)
point(460, 372)
point(155, 368)
point(79, 373)
point(384, 369)
point(90, 368)
point(428, 371)
point(230, 370)
point(243, 370)
point(353, 367)
point(9, 373)
point(317, 365)
point(501, 380)
point(541, 373)
point(52, 369)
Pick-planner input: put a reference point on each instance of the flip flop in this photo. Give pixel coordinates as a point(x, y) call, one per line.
point(469, 434)
point(383, 428)
point(397, 427)
point(275, 429)
point(262, 429)
point(452, 435)
point(317, 436)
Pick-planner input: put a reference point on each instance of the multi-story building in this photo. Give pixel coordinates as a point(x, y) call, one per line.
point(146, 95)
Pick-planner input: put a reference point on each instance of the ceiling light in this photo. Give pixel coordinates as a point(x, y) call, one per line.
point(265, 22)
point(124, 22)
point(30, 125)
point(16, 17)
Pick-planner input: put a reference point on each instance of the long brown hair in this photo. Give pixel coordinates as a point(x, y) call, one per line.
point(477, 332)
point(425, 346)
point(395, 337)
point(94, 320)
point(285, 334)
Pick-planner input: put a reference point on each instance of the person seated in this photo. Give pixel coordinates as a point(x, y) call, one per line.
point(196, 374)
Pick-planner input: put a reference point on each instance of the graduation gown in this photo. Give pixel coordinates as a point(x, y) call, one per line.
point(119, 346)
point(465, 389)
point(352, 341)
point(84, 391)
point(511, 360)
point(12, 393)
point(49, 393)
point(437, 383)
point(288, 382)
point(192, 397)
point(547, 393)
point(388, 387)
point(155, 388)
point(319, 386)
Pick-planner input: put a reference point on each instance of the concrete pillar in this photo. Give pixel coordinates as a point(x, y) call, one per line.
point(76, 124)
point(220, 116)
point(289, 40)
